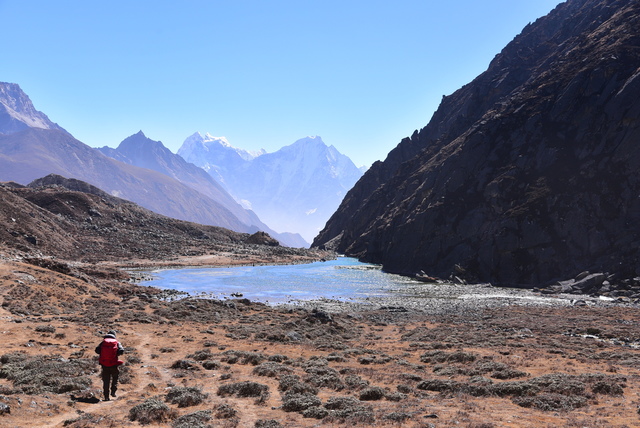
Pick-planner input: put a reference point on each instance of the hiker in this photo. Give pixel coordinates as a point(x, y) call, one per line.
point(109, 349)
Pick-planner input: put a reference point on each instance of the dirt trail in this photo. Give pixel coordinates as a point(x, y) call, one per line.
point(145, 374)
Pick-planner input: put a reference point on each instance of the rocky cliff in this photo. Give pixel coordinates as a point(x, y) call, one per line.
point(526, 175)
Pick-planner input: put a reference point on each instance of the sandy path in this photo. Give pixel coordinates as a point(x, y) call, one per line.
point(145, 374)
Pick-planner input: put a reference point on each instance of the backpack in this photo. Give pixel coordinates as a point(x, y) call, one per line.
point(109, 353)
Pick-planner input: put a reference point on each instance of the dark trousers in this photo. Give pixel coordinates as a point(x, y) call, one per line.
point(110, 380)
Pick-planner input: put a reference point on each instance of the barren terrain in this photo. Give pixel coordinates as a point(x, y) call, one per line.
point(236, 363)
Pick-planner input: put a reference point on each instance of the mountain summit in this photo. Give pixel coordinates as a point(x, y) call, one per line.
point(18, 113)
point(526, 175)
point(295, 189)
point(215, 155)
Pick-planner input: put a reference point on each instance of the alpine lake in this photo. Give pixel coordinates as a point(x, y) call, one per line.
point(345, 281)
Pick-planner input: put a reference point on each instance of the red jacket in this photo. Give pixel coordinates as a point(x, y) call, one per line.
point(109, 350)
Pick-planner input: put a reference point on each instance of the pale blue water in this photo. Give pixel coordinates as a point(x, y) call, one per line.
point(340, 279)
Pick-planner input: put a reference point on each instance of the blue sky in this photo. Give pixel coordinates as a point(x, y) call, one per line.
point(263, 73)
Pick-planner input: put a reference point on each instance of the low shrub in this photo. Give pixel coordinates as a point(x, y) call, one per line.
point(438, 385)
point(88, 420)
point(38, 374)
point(607, 387)
point(211, 365)
point(404, 389)
point(355, 382)
point(397, 416)
point(126, 374)
point(197, 419)
point(293, 384)
point(185, 365)
point(200, 355)
point(551, 402)
point(440, 356)
point(278, 358)
point(315, 412)
point(508, 373)
point(243, 389)
point(243, 357)
point(342, 403)
point(225, 411)
point(267, 423)
point(186, 396)
point(292, 402)
point(134, 359)
point(395, 396)
point(323, 376)
point(271, 369)
point(372, 394)
point(13, 357)
point(151, 411)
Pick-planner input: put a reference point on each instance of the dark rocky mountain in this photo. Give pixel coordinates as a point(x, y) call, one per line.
point(140, 151)
point(526, 175)
point(48, 218)
point(296, 188)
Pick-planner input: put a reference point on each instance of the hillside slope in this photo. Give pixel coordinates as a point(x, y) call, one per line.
point(87, 225)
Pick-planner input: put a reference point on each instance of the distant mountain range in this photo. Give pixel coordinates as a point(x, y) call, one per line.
point(140, 151)
point(31, 147)
point(525, 176)
point(295, 188)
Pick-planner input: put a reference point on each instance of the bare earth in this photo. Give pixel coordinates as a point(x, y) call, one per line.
point(513, 366)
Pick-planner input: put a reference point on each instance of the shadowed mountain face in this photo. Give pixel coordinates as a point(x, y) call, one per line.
point(524, 176)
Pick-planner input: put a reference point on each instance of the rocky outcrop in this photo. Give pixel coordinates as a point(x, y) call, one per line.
point(262, 238)
point(525, 176)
